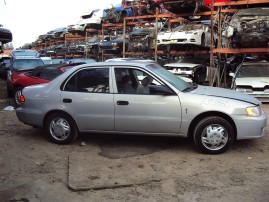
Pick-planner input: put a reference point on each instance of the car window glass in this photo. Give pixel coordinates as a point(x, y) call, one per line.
point(134, 81)
point(50, 73)
point(93, 80)
point(27, 63)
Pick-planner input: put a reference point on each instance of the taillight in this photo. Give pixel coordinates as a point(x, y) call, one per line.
point(22, 98)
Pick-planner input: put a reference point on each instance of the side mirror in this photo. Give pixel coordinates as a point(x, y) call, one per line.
point(232, 74)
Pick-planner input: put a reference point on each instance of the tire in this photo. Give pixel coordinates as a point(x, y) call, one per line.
point(17, 94)
point(213, 135)
point(61, 128)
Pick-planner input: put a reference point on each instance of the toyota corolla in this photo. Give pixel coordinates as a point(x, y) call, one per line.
point(140, 98)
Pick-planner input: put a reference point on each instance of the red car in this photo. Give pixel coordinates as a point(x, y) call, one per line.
point(39, 75)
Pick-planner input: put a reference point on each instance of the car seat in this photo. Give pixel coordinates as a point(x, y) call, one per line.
point(143, 88)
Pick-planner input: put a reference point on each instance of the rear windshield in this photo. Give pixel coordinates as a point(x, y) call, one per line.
point(24, 64)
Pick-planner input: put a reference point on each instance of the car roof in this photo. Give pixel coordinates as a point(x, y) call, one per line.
point(24, 52)
point(118, 63)
point(129, 59)
point(27, 57)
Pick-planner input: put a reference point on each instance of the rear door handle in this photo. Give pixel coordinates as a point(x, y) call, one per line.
point(122, 102)
point(67, 100)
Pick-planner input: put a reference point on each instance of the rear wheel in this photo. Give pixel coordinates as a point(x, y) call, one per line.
point(17, 95)
point(213, 135)
point(61, 128)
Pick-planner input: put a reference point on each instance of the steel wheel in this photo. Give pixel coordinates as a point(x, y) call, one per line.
point(61, 128)
point(213, 135)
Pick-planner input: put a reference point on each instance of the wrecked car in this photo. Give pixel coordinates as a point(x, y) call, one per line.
point(142, 39)
point(183, 6)
point(249, 28)
point(192, 69)
point(89, 19)
point(114, 14)
point(192, 34)
point(252, 78)
point(114, 45)
point(139, 7)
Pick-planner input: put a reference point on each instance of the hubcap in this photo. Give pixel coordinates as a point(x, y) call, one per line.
point(59, 129)
point(214, 137)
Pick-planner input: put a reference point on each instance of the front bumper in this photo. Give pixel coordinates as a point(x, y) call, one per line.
point(251, 127)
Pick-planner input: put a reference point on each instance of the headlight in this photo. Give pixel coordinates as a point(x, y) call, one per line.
point(188, 32)
point(254, 111)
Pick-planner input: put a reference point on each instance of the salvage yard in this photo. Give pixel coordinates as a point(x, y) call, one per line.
point(102, 167)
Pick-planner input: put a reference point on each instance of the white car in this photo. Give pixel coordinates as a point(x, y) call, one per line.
point(92, 19)
point(252, 78)
point(191, 70)
point(195, 34)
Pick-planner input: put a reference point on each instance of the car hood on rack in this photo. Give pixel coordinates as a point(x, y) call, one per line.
point(255, 82)
point(225, 93)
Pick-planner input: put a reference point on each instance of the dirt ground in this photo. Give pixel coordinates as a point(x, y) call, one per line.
point(101, 167)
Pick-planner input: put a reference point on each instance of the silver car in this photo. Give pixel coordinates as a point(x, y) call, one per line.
point(140, 98)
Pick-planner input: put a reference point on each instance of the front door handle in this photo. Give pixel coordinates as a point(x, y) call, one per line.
point(122, 102)
point(67, 100)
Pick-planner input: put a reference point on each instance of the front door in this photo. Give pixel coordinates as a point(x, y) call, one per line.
point(146, 106)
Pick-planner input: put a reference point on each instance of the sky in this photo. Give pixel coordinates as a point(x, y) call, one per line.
point(27, 19)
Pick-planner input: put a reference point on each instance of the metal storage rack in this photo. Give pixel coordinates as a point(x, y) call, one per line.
point(219, 50)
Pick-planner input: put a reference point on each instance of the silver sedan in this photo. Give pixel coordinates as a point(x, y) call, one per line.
point(140, 98)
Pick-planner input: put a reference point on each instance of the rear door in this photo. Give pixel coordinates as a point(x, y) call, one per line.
point(86, 95)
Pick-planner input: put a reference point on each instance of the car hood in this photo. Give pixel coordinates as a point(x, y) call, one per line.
point(190, 65)
point(225, 93)
point(255, 82)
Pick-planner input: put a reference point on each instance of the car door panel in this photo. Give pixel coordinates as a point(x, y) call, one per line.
point(147, 113)
point(91, 111)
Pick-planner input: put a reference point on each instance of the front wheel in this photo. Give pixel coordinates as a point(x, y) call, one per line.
point(61, 128)
point(213, 135)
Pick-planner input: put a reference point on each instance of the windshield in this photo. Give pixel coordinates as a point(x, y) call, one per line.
point(253, 70)
point(188, 27)
point(24, 64)
point(143, 31)
point(174, 80)
point(94, 39)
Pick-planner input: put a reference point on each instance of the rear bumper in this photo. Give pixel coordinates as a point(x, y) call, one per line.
point(30, 118)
